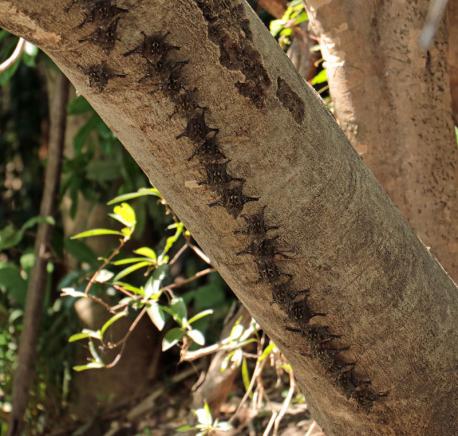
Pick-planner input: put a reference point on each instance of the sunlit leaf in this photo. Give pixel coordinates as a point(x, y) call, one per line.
point(103, 276)
point(85, 334)
point(111, 321)
point(204, 415)
point(96, 232)
point(177, 309)
point(179, 227)
point(321, 77)
point(200, 316)
point(125, 214)
point(246, 376)
point(90, 365)
point(132, 195)
point(72, 292)
point(197, 336)
point(156, 314)
point(130, 269)
point(171, 338)
point(128, 260)
point(147, 252)
point(184, 428)
point(271, 347)
point(130, 288)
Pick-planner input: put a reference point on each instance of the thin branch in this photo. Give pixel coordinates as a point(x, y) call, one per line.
point(311, 429)
point(15, 56)
point(270, 424)
point(286, 403)
point(93, 279)
point(132, 327)
point(195, 277)
point(190, 356)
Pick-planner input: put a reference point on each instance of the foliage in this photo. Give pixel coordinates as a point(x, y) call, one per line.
point(283, 28)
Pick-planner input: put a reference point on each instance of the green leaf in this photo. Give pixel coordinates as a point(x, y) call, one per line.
point(171, 338)
point(78, 106)
point(111, 321)
point(184, 428)
point(96, 232)
point(178, 310)
point(11, 279)
point(246, 376)
point(131, 288)
point(132, 195)
point(200, 315)
point(179, 227)
point(128, 261)
point(321, 77)
point(85, 334)
point(27, 261)
point(147, 252)
point(102, 170)
point(156, 314)
point(197, 336)
point(90, 365)
point(80, 251)
point(10, 237)
point(154, 283)
point(125, 214)
point(81, 138)
point(271, 347)
point(130, 269)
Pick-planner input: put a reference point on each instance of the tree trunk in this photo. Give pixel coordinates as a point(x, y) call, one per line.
point(393, 102)
point(452, 13)
point(392, 304)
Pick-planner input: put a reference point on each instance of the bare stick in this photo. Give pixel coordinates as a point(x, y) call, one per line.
point(17, 53)
point(286, 403)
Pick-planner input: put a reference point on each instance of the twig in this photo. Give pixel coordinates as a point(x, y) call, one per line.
point(195, 277)
point(199, 252)
point(190, 356)
point(311, 429)
point(132, 327)
point(17, 53)
point(286, 403)
point(257, 370)
point(178, 254)
point(93, 278)
point(37, 283)
point(270, 424)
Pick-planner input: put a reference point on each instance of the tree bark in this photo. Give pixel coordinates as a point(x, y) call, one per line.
point(392, 304)
point(452, 14)
point(393, 102)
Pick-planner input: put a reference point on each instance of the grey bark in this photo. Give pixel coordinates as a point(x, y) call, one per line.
point(393, 102)
point(391, 302)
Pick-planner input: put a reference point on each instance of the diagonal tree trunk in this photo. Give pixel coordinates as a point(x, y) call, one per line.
point(392, 101)
point(393, 306)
